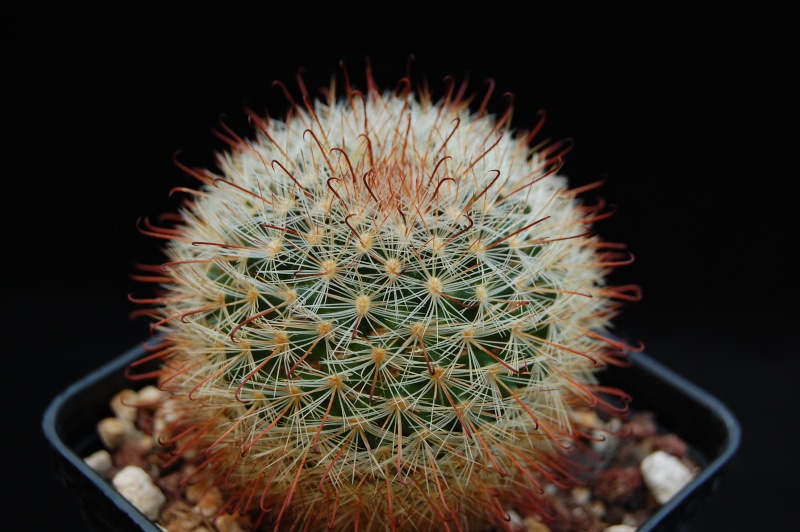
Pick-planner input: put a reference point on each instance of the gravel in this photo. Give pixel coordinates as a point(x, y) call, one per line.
point(642, 470)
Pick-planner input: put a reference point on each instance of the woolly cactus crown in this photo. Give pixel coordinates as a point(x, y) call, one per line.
point(383, 311)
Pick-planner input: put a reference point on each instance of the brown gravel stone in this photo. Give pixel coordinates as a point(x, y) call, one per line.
point(177, 516)
point(534, 524)
point(145, 421)
point(642, 425)
point(617, 484)
point(210, 502)
point(169, 485)
point(670, 443)
point(630, 453)
point(131, 454)
point(227, 523)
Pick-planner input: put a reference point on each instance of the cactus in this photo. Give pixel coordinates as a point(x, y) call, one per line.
point(383, 312)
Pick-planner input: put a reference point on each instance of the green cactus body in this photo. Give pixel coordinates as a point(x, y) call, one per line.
point(382, 313)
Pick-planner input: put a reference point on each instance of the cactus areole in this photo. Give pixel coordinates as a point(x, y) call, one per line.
point(383, 311)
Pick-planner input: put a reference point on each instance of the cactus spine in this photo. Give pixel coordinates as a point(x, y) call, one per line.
point(382, 312)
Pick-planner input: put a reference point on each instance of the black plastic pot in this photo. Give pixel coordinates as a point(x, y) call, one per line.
point(710, 429)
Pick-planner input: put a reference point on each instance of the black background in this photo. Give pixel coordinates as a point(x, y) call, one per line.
point(695, 137)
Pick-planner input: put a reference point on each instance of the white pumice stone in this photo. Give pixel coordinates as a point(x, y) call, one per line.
point(100, 461)
point(137, 487)
point(123, 404)
point(150, 396)
point(664, 475)
point(114, 431)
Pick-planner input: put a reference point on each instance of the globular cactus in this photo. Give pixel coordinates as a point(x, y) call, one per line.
point(383, 311)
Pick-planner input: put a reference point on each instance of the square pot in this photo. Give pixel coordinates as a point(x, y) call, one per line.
point(711, 431)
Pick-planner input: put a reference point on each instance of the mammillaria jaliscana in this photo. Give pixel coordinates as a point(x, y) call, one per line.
point(383, 310)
